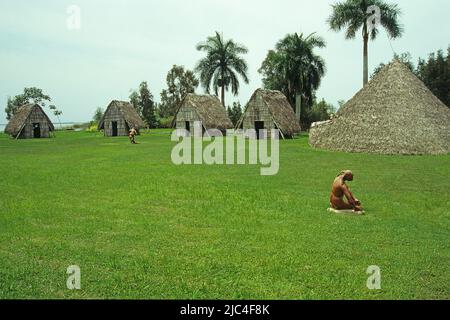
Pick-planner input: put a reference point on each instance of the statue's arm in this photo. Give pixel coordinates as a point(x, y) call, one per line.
point(348, 194)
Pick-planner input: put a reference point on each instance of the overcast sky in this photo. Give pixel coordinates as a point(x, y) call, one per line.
point(121, 43)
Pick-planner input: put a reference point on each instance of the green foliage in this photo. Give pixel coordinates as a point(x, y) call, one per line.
point(98, 114)
point(147, 229)
point(165, 122)
point(294, 69)
point(222, 65)
point(435, 73)
point(235, 113)
point(142, 100)
point(29, 95)
point(180, 82)
point(321, 111)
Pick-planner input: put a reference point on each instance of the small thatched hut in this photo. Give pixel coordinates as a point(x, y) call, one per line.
point(269, 109)
point(395, 113)
point(204, 108)
point(29, 121)
point(119, 118)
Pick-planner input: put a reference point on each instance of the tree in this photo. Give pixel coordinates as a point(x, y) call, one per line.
point(180, 82)
point(29, 95)
point(235, 112)
point(57, 113)
point(294, 69)
point(98, 114)
point(135, 101)
point(147, 105)
point(222, 65)
point(435, 73)
point(321, 111)
point(142, 101)
point(352, 15)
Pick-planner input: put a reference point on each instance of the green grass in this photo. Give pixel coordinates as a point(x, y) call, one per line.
point(140, 227)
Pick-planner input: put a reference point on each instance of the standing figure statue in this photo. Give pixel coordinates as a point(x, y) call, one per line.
point(131, 134)
point(340, 189)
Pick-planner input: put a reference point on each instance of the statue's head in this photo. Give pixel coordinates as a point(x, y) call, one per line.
point(347, 175)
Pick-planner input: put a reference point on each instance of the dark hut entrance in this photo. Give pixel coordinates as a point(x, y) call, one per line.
point(188, 126)
point(36, 130)
point(114, 128)
point(259, 125)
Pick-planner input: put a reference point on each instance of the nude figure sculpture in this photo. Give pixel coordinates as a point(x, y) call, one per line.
point(340, 189)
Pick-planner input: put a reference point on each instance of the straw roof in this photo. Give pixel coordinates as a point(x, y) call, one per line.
point(20, 117)
point(209, 109)
point(280, 109)
point(395, 113)
point(129, 113)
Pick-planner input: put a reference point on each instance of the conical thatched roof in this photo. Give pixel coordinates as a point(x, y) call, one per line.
point(209, 109)
point(281, 111)
point(129, 114)
point(395, 113)
point(19, 119)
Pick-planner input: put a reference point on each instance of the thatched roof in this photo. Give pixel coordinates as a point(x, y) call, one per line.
point(279, 107)
point(209, 109)
point(129, 114)
point(395, 113)
point(19, 119)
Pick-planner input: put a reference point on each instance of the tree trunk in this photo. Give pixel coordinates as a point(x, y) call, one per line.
point(223, 95)
point(366, 58)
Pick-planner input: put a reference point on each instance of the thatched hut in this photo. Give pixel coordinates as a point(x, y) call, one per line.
point(269, 109)
point(395, 113)
point(206, 109)
point(30, 121)
point(119, 118)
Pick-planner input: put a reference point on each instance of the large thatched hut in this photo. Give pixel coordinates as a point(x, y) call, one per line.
point(119, 118)
point(206, 109)
point(395, 113)
point(269, 109)
point(30, 121)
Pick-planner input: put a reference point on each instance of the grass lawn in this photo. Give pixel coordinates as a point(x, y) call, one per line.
point(140, 227)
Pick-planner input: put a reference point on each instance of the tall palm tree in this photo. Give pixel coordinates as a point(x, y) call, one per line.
point(222, 65)
point(294, 69)
point(353, 15)
point(301, 67)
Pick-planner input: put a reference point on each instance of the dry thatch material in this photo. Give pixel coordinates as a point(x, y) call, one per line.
point(23, 117)
point(205, 108)
point(272, 107)
point(128, 113)
point(395, 113)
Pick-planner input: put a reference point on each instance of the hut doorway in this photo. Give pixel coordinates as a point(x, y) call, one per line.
point(36, 130)
point(188, 126)
point(259, 125)
point(114, 128)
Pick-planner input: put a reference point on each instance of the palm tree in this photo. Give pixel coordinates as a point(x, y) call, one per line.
point(295, 69)
point(353, 15)
point(302, 68)
point(221, 65)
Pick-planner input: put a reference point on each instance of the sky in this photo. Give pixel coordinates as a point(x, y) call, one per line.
point(123, 42)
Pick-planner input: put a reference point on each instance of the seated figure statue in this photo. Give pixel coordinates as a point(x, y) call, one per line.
point(340, 189)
